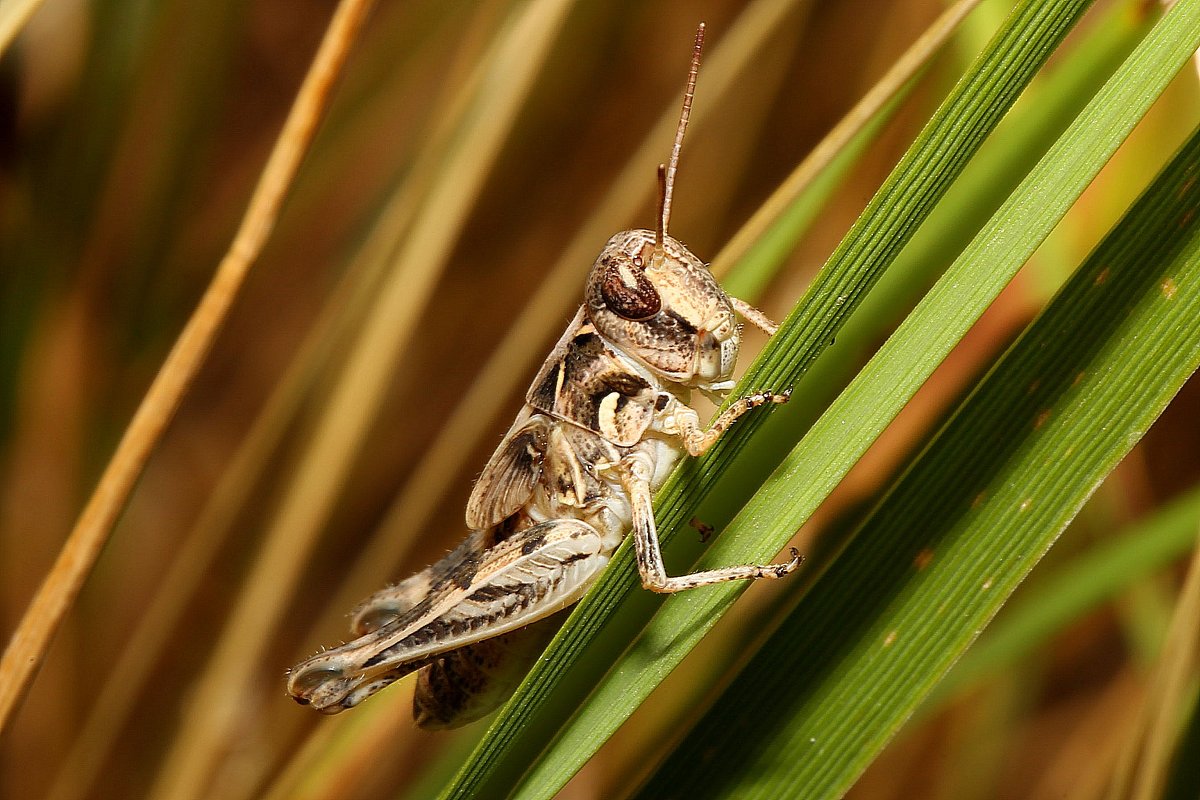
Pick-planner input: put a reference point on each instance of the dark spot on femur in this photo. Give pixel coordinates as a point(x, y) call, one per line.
point(464, 571)
point(639, 301)
point(533, 544)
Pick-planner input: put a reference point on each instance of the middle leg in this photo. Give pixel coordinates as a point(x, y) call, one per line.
point(635, 477)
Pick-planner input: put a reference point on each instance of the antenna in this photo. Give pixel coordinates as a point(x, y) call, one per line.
point(666, 174)
point(660, 231)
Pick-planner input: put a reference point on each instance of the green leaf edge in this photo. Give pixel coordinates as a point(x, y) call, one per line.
point(1002, 480)
point(636, 673)
point(1031, 33)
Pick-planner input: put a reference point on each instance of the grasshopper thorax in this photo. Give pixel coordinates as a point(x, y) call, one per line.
point(661, 305)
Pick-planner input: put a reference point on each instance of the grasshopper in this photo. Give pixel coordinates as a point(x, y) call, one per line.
point(604, 421)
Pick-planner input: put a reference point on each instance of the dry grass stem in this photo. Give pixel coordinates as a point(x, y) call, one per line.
point(883, 92)
point(1170, 687)
point(218, 706)
point(58, 591)
point(13, 17)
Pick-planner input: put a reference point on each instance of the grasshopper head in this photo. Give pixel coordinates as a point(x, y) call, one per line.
point(662, 306)
point(648, 295)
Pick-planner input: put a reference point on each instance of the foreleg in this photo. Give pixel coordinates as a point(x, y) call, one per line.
point(755, 317)
point(698, 440)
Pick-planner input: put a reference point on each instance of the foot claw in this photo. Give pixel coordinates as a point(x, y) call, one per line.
point(768, 396)
point(790, 566)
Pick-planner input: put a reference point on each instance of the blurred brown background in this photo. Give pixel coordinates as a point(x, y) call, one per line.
point(132, 134)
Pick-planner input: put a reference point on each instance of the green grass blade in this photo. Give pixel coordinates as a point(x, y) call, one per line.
point(1077, 588)
point(1020, 140)
point(971, 517)
point(595, 634)
point(768, 238)
point(838, 440)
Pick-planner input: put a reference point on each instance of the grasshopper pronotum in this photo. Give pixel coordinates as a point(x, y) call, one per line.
point(604, 421)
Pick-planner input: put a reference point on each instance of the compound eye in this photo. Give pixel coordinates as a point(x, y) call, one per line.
point(629, 293)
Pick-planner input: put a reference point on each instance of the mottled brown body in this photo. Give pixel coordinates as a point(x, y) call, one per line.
point(605, 420)
point(471, 682)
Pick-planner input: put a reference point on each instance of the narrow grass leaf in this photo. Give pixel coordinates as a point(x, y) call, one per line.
point(1078, 588)
point(972, 515)
point(876, 396)
point(1021, 139)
